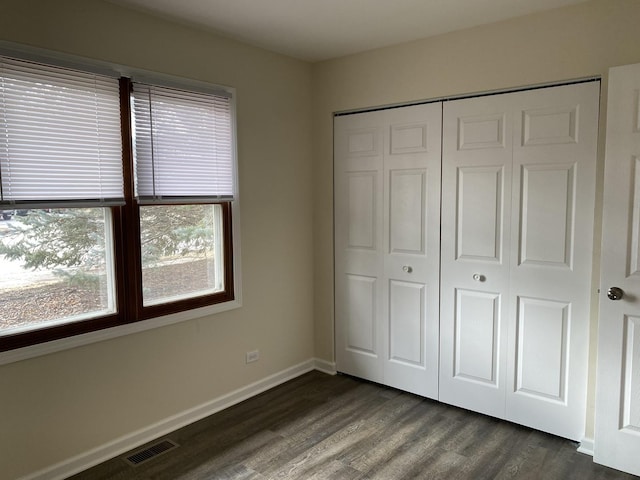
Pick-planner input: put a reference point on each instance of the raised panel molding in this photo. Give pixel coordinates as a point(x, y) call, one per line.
point(479, 213)
point(407, 204)
point(633, 268)
point(477, 323)
point(363, 142)
point(631, 375)
point(542, 349)
point(409, 138)
point(485, 131)
point(547, 215)
point(361, 314)
point(406, 322)
point(362, 210)
point(636, 116)
point(550, 126)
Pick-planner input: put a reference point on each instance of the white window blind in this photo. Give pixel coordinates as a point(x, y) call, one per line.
point(183, 145)
point(60, 135)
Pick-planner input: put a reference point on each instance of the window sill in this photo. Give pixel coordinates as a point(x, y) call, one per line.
point(115, 332)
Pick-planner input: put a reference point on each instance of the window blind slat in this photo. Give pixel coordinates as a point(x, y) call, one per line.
point(183, 144)
point(59, 134)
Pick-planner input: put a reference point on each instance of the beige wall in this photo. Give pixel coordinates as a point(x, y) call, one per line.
point(60, 405)
point(568, 43)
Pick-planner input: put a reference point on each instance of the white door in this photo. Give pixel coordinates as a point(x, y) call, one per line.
point(412, 248)
point(358, 185)
point(617, 432)
point(517, 228)
point(553, 201)
point(387, 217)
point(476, 212)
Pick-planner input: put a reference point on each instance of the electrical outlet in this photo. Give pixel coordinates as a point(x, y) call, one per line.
point(253, 356)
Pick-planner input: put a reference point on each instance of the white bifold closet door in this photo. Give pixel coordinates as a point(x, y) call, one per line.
point(518, 185)
point(387, 246)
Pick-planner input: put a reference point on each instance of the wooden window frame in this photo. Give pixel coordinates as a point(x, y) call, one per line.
point(128, 263)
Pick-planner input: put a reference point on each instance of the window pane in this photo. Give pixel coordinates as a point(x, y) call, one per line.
point(60, 137)
point(56, 267)
point(181, 252)
point(195, 128)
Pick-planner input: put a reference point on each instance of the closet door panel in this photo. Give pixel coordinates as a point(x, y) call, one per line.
point(407, 211)
point(361, 191)
point(541, 346)
point(358, 162)
point(476, 195)
point(477, 324)
point(361, 314)
point(547, 215)
point(412, 248)
point(554, 154)
point(407, 304)
point(479, 213)
point(387, 247)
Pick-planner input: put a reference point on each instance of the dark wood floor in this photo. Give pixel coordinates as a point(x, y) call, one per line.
point(323, 427)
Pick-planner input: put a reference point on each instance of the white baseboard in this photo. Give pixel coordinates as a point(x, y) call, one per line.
point(324, 366)
point(586, 446)
point(128, 442)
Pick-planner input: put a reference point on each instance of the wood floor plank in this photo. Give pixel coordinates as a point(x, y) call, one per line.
point(523, 464)
point(320, 424)
point(394, 435)
point(319, 427)
point(373, 429)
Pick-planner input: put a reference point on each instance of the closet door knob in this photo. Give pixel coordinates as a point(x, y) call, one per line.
point(407, 269)
point(478, 277)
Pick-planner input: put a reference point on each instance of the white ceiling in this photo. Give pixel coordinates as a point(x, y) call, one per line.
point(316, 30)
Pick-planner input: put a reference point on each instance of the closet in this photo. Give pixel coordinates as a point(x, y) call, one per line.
point(487, 307)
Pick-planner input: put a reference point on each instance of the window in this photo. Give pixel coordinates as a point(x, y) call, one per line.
point(182, 154)
point(115, 201)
